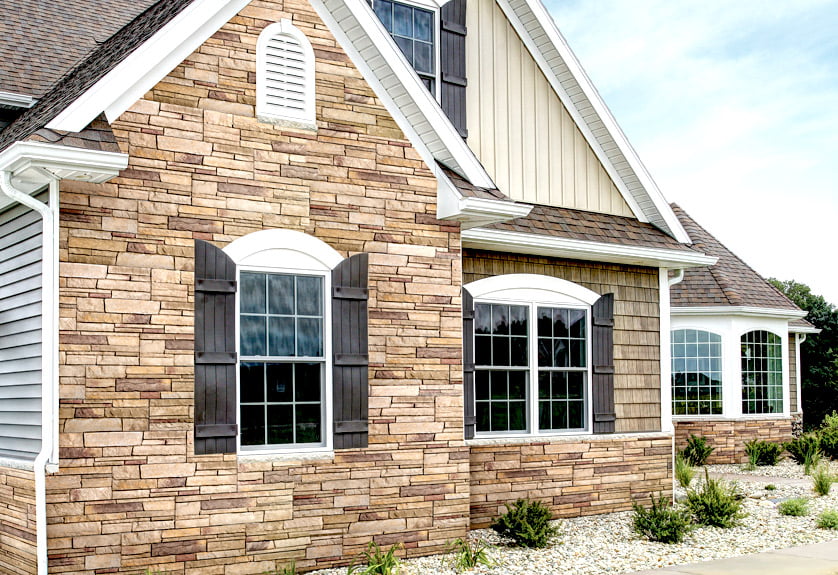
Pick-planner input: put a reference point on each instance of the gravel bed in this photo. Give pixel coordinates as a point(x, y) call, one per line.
point(606, 543)
point(786, 469)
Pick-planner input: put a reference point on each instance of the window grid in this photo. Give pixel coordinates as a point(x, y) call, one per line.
point(562, 359)
point(696, 372)
point(413, 30)
point(282, 359)
point(762, 373)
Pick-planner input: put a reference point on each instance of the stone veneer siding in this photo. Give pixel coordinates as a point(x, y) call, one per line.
point(17, 521)
point(130, 493)
point(728, 437)
point(574, 475)
point(636, 323)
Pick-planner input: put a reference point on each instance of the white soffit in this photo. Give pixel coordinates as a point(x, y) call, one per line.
point(376, 55)
point(556, 60)
point(120, 88)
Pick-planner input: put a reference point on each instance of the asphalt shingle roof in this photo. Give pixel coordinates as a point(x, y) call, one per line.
point(730, 282)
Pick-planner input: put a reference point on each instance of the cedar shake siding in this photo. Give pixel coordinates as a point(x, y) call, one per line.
point(17, 521)
point(792, 367)
point(131, 493)
point(20, 331)
point(636, 323)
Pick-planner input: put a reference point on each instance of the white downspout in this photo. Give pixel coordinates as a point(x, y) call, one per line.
point(48, 456)
point(665, 306)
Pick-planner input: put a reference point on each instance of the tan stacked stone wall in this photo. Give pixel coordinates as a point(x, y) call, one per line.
point(636, 323)
point(728, 437)
point(131, 494)
point(17, 522)
point(574, 476)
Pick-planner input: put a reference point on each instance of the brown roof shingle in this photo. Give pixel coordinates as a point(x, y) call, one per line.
point(730, 282)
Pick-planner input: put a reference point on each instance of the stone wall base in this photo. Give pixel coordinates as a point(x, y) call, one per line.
point(18, 551)
point(573, 476)
point(728, 437)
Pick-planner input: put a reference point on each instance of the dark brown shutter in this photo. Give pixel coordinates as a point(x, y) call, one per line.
point(469, 419)
point(215, 350)
point(453, 63)
point(349, 348)
point(602, 350)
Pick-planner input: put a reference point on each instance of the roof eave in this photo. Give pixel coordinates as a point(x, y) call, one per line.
point(742, 311)
point(552, 246)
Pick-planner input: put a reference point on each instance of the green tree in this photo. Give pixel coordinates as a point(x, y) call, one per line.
point(819, 353)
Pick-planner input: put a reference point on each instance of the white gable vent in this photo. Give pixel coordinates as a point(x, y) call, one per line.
point(285, 76)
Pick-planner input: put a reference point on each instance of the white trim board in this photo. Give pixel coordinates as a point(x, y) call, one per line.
point(556, 60)
point(523, 243)
point(741, 311)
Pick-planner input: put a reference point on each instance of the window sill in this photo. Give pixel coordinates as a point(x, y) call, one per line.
point(286, 456)
point(565, 438)
point(306, 125)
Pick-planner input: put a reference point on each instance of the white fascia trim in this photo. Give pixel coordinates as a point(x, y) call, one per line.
point(21, 156)
point(472, 212)
point(523, 243)
point(120, 88)
point(803, 329)
point(539, 13)
point(741, 311)
point(16, 100)
point(418, 103)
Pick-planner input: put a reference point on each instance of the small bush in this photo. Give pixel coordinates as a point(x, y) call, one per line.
point(661, 522)
point(796, 507)
point(467, 555)
point(377, 563)
point(822, 480)
point(830, 421)
point(806, 444)
point(527, 523)
point(763, 453)
point(684, 472)
point(771, 487)
point(829, 442)
point(697, 451)
point(828, 519)
point(717, 503)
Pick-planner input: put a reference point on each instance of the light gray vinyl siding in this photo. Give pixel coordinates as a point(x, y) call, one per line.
point(20, 331)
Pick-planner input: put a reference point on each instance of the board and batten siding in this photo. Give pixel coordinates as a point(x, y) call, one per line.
point(519, 128)
point(637, 376)
point(20, 331)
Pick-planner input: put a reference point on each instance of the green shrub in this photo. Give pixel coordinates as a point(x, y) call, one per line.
point(377, 563)
point(527, 523)
point(771, 487)
point(467, 555)
point(803, 446)
point(661, 522)
point(697, 451)
point(796, 507)
point(822, 480)
point(828, 519)
point(830, 421)
point(762, 453)
point(717, 503)
point(684, 472)
point(829, 442)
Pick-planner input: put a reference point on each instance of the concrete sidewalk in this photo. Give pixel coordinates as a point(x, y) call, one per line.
point(816, 559)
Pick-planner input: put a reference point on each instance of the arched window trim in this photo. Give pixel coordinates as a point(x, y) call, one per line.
point(273, 114)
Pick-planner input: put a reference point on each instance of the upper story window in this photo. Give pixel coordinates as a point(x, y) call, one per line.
point(285, 76)
point(762, 372)
point(696, 372)
point(414, 30)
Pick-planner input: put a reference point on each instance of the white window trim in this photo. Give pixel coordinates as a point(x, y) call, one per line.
point(534, 290)
point(731, 327)
point(307, 119)
point(300, 254)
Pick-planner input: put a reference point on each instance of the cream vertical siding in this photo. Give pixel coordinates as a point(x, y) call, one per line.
point(519, 128)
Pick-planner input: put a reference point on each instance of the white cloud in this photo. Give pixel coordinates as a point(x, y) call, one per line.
point(732, 107)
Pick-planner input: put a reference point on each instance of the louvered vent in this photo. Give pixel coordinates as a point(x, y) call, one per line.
point(285, 76)
point(285, 88)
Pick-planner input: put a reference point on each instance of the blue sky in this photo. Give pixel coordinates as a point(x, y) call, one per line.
point(733, 107)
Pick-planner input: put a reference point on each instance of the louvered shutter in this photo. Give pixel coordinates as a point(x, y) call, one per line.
point(350, 352)
point(215, 350)
point(602, 350)
point(469, 419)
point(453, 63)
